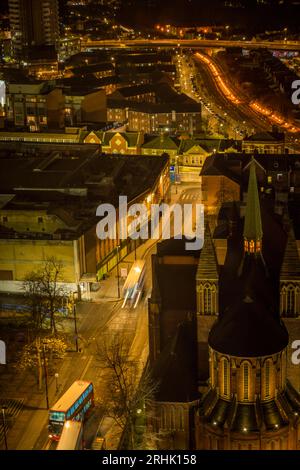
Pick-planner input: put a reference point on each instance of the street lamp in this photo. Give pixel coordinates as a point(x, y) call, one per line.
point(75, 324)
point(118, 277)
point(56, 375)
point(46, 375)
point(176, 172)
point(4, 426)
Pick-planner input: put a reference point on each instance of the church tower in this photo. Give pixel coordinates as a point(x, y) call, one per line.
point(253, 232)
point(249, 404)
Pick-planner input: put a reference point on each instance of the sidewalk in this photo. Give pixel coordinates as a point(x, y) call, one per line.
point(109, 287)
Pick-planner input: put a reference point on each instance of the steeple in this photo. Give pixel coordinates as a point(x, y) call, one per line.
point(252, 226)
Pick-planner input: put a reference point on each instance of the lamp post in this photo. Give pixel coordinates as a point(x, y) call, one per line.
point(176, 173)
point(56, 375)
point(46, 376)
point(118, 276)
point(75, 326)
point(4, 426)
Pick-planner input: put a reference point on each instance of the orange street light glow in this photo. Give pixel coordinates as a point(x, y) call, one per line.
point(217, 76)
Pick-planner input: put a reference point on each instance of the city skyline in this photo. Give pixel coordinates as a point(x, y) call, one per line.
point(150, 230)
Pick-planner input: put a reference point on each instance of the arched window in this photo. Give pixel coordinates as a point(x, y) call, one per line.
point(225, 378)
point(207, 299)
point(181, 419)
point(267, 378)
point(246, 371)
point(172, 418)
point(163, 418)
point(290, 300)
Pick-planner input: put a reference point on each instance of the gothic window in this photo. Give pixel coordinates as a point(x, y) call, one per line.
point(267, 378)
point(181, 419)
point(163, 418)
point(172, 418)
point(225, 378)
point(290, 300)
point(246, 381)
point(207, 299)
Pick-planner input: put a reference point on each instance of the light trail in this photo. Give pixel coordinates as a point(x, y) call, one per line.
point(217, 76)
point(271, 115)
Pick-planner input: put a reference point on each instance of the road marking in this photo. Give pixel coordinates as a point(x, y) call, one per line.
point(86, 368)
point(48, 445)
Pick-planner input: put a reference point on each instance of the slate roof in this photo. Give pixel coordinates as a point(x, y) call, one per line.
point(237, 417)
point(164, 142)
point(132, 138)
point(253, 224)
point(290, 269)
point(248, 329)
point(93, 68)
point(265, 137)
point(207, 267)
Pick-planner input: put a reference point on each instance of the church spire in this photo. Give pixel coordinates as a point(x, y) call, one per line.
point(252, 226)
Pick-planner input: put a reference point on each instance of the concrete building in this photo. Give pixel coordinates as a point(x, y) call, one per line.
point(49, 197)
point(153, 118)
point(84, 105)
point(33, 24)
point(35, 106)
point(264, 142)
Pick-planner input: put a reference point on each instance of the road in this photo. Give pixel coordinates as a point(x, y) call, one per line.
point(203, 79)
point(190, 43)
point(199, 84)
point(95, 319)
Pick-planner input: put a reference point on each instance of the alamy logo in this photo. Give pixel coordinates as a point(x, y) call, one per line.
point(296, 93)
point(296, 353)
point(152, 221)
point(2, 352)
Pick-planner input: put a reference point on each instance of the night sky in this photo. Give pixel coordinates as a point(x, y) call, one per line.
point(251, 17)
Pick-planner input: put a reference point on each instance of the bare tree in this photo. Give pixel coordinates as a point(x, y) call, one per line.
point(45, 293)
point(34, 300)
point(128, 391)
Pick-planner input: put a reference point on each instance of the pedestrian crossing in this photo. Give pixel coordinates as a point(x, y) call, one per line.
point(12, 407)
point(190, 197)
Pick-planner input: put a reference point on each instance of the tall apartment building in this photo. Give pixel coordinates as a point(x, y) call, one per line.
point(33, 23)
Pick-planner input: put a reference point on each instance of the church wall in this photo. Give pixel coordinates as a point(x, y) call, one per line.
point(293, 370)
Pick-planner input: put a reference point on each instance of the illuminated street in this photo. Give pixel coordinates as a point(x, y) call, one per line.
point(149, 232)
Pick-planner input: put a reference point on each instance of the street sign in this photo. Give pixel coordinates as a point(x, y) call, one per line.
point(124, 272)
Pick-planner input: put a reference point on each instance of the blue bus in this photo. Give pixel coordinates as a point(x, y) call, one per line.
point(73, 405)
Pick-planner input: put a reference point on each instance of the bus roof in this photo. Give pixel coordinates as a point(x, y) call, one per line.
point(134, 274)
point(70, 396)
point(69, 436)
